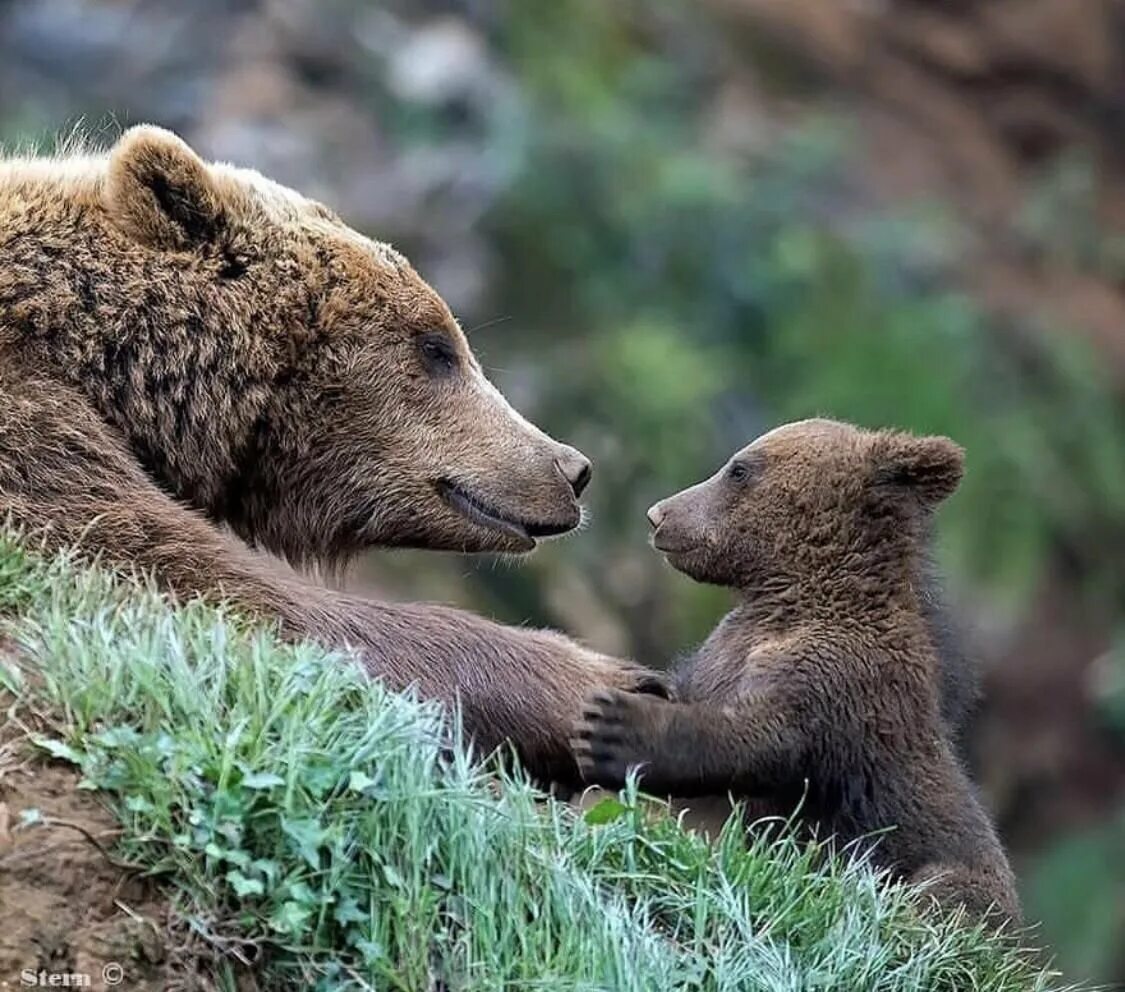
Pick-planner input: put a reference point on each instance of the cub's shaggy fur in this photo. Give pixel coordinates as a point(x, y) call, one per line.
point(823, 688)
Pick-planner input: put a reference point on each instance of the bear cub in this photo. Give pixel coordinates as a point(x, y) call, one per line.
point(822, 690)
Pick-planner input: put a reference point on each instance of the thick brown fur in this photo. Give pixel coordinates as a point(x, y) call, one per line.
point(823, 688)
point(189, 350)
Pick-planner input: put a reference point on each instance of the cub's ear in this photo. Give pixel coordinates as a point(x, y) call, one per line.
point(160, 192)
point(930, 467)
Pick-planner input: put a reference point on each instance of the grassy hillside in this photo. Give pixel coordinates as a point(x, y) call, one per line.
point(295, 813)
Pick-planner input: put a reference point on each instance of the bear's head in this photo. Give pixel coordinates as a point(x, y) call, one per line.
point(301, 381)
point(813, 500)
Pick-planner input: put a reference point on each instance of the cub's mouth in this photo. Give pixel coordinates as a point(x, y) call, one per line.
point(524, 531)
point(667, 544)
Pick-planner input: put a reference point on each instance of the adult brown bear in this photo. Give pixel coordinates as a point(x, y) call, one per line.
point(186, 345)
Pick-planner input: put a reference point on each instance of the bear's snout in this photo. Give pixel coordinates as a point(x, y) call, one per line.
point(575, 468)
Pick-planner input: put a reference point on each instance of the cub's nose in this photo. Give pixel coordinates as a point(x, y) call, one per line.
point(576, 468)
point(655, 515)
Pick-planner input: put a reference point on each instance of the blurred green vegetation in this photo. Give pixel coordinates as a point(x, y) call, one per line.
point(670, 302)
point(1078, 887)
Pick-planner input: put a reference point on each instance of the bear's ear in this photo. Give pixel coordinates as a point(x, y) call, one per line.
point(930, 467)
point(160, 192)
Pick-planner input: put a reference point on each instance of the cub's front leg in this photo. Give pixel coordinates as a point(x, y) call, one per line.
point(688, 749)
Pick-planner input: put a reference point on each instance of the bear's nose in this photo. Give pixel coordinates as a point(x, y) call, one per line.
point(576, 468)
point(655, 515)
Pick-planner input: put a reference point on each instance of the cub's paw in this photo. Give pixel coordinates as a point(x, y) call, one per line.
point(611, 736)
point(643, 681)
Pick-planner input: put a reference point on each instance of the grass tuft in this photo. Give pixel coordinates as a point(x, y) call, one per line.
point(340, 836)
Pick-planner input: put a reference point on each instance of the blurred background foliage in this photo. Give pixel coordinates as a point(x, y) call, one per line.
point(668, 226)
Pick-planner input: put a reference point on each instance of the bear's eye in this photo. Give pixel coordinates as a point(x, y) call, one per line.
point(740, 472)
point(438, 353)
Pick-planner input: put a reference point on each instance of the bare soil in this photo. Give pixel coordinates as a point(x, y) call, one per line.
point(66, 908)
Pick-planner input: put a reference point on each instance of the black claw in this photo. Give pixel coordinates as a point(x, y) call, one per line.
point(650, 686)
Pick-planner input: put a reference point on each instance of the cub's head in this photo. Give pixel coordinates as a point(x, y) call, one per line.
point(327, 399)
point(815, 495)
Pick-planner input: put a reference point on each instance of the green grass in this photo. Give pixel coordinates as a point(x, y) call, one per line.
point(286, 800)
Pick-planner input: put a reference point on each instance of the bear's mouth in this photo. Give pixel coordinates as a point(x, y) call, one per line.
point(486, 514)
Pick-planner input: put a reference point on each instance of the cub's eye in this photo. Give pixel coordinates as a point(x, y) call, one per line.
point(438, 353)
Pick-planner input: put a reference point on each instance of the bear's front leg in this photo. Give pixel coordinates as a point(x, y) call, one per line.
point(514, 685)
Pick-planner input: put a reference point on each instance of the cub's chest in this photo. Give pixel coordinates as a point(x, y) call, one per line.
point(731, 662)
